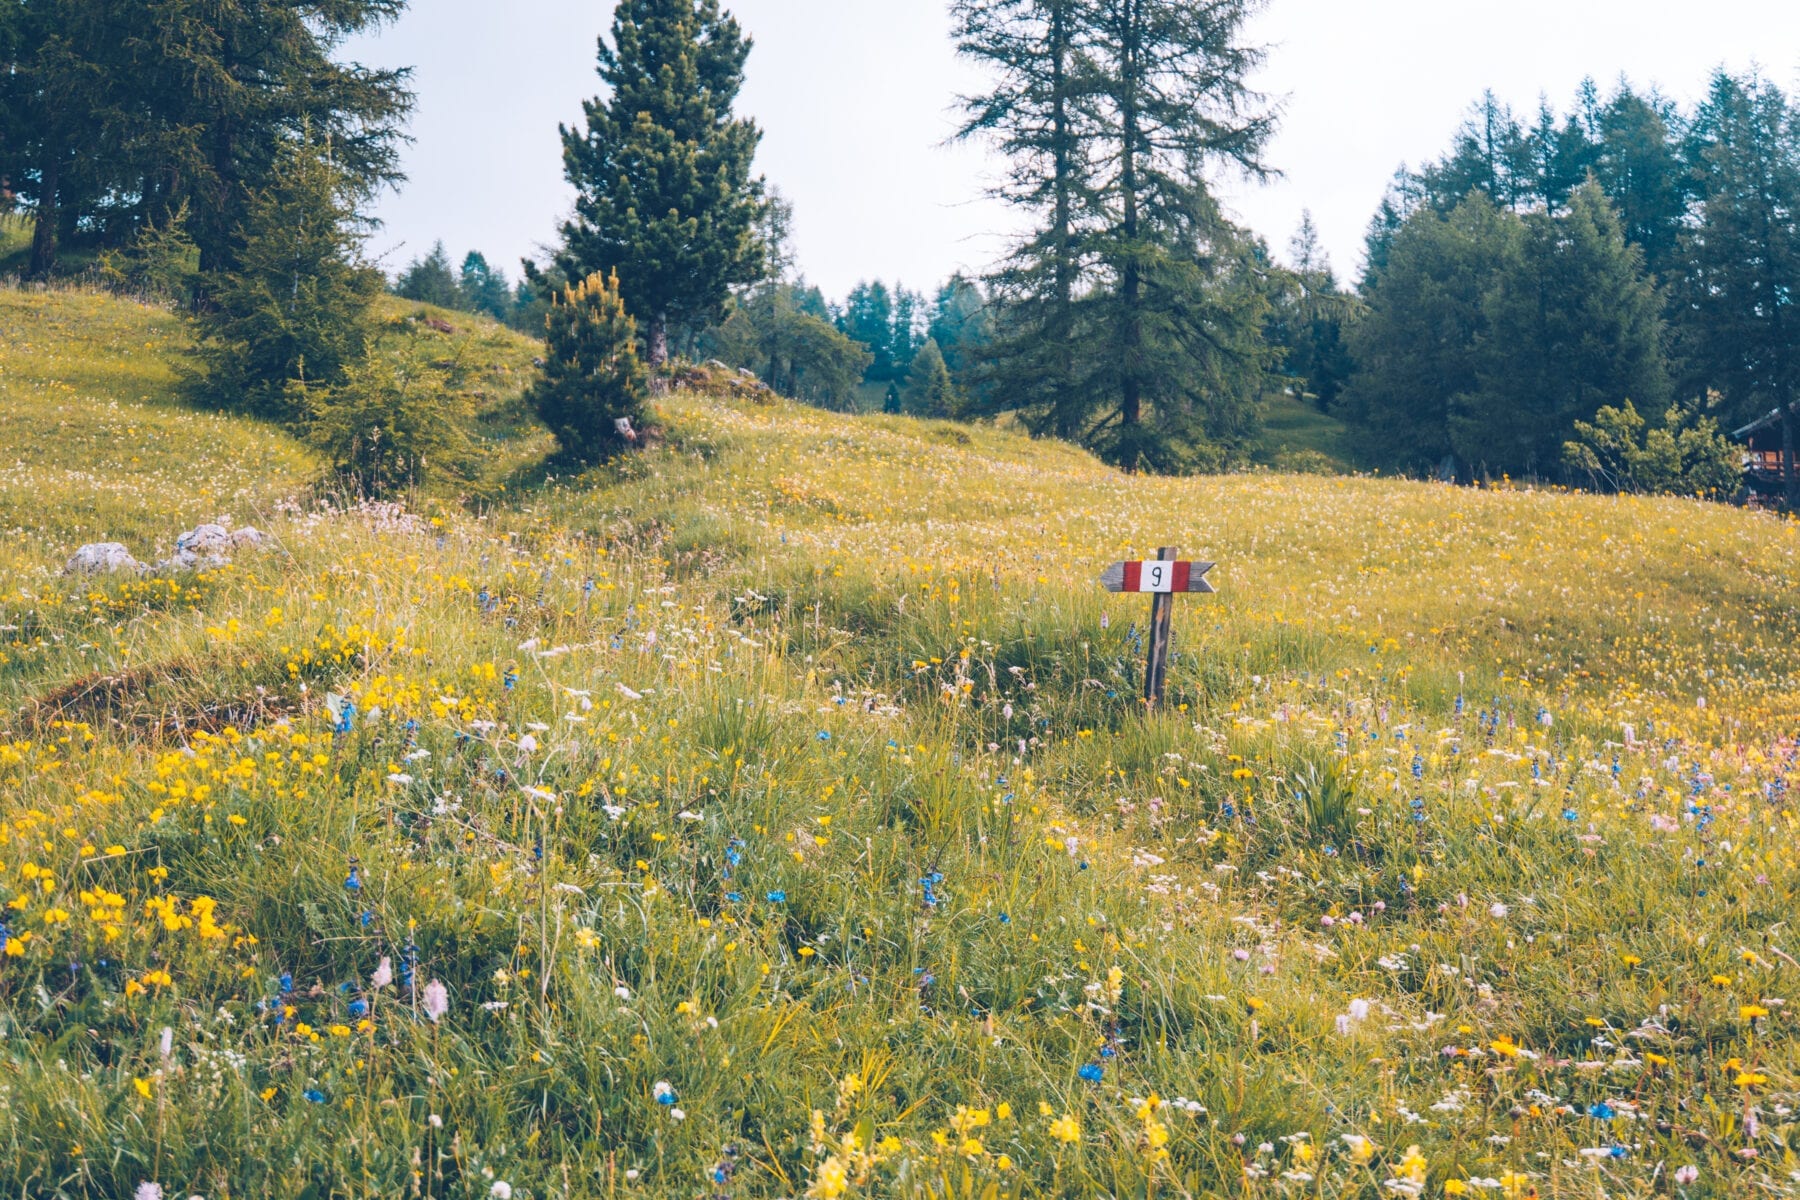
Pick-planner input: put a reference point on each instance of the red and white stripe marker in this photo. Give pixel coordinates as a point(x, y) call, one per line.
point(1163, 577)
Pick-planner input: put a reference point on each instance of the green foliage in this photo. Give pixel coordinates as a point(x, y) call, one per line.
point(294, 307)
point(429, 280)
point(1488, 335)
point(885, 321)
point(1570, 323)
point(1741, 331)
point(1308, 322)
point(961, 324)
point(592, 377)
point(1131, 319)
point(662, 170)
point(388, 426)
point(795, 351)
point(930, 392)
point(162, 261)
point(1686, 455)
point(481, 288)
point(114, 117)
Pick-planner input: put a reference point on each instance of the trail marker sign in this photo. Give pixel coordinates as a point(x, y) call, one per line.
point(1163, 577)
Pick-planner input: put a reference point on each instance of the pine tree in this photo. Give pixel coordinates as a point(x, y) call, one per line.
point(1638, 162)
point(62, 123)
point(1740, 326)
point(664, 194)
point(1309, 321)
point(231, 84)
point(481, 288)
point(930, 392)
point(868, 317)
point(293, 309)
point(592, 378)
point(960, 322)
point(777, 331)
point(429, 280)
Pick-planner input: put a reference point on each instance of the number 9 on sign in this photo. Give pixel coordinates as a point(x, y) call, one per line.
point(1156, 576)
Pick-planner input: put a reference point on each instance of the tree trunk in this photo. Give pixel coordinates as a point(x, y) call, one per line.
point(657, 340)
point(49, 217)
point(1131, 282)
point(1063, 329)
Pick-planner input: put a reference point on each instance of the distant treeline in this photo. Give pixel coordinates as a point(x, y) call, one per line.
point(1623, 251)
point(1589, 296)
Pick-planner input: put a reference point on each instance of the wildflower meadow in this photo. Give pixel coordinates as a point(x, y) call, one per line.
point(774, 813)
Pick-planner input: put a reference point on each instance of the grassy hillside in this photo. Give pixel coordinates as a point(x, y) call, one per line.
point(772, 813)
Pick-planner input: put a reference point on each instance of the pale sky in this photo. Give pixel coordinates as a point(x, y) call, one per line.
point(856, 97)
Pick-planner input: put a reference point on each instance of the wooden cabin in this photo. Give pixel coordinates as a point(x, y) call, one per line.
point(1762, 454)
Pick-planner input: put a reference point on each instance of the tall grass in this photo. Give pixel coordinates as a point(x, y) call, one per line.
point(777, 814)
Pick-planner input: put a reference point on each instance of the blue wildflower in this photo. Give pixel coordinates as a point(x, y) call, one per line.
point(1091, 1072)
point(776, 897)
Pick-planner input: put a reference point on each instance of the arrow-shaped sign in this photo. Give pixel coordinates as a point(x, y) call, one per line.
point(1157, 576)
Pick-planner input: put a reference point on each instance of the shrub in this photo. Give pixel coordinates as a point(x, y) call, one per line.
point(388, 425)
point(1681, 458)
point(592, 377)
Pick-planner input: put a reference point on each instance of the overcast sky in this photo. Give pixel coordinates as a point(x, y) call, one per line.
point(856, 97)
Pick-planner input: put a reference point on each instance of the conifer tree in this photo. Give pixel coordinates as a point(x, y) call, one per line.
point(1178, 321)
point(592, 378)
point(665, 197)
point(293, 309)
point(930, 392)
point(1740, 319)
point(481, 288)
point(1037, 116)
point(429, 280)
point(1573, 324)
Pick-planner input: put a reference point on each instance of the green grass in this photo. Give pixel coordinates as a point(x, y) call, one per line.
point(1296, 436)
point(796, 765)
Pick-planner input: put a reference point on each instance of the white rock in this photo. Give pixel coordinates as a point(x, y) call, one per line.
point(97, 558)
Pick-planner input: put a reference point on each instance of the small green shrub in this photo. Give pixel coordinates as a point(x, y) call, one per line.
point(388, 426)
point(593, 379)
point(1686, 456)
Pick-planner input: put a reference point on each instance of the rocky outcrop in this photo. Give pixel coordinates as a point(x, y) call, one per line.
point(199, 549)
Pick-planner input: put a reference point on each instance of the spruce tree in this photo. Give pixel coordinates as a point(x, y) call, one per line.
point(293, 309)
point(930, 392)
point(1740, 323)
point(592, 378)
point(429, 280)
point(665, 197)
point(1416, 346)
point(482, 288)
point(1573, 324)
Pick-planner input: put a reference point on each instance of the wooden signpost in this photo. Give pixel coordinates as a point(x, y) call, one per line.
point(1163, 577)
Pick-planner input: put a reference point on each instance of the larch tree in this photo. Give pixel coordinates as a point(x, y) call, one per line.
point(1035, 115)
point(1183, 293)
point(665, 195)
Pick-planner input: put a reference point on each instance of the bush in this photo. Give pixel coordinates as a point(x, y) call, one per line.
point(1680, 458)
point(591, 391)
point(388, 425)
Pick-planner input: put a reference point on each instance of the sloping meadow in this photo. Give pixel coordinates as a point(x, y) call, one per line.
point(775, 813)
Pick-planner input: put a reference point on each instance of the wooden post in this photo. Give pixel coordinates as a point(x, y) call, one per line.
point(1164, 583)
point(1162, 613)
